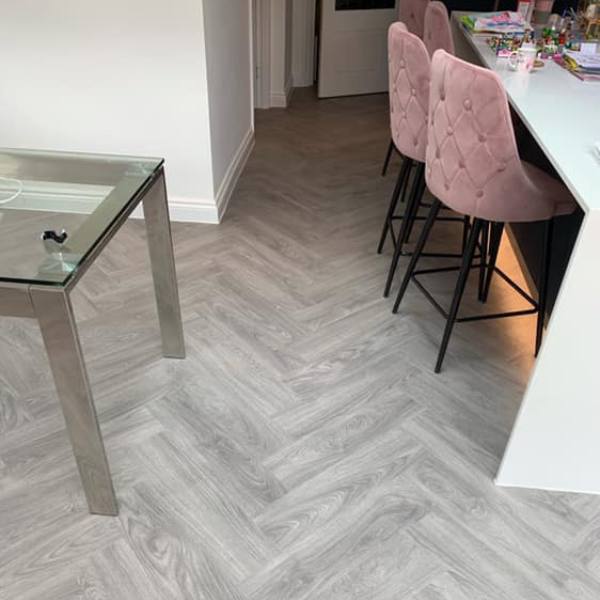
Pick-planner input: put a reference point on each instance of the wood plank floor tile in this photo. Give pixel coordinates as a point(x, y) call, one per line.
point(304, 450)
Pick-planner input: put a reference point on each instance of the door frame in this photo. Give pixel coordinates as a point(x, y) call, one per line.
point(261, 44)
point(303, 42)
point(331, 91)
point(303, 26)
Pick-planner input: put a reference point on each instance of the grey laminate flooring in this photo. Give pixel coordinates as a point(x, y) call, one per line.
point(304, 450)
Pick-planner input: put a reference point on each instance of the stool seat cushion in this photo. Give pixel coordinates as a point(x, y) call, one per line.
point(550, 188)
point(473, 165)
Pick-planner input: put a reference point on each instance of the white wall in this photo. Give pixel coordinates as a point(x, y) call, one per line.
point(228, 59)
point(127, 77)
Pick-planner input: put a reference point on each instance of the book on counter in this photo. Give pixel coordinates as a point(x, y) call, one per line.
point(496, 22)
point(584, 65)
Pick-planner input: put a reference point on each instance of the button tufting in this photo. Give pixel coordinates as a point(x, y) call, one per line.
point(413, 92)
point(415, 141)
point(501, 167)
point(447, 186)
point(461, 164)
point(450, 130)
point(479, 193)
point(442, 95)
point(481, 137)
point(467, 104)
point(437, 153)
point(402, 63)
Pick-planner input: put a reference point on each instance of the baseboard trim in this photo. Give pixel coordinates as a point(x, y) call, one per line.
point(283, 99)
point(204, 210)
point(289, 90)
point(278, 100)
point(233, 173)
point(187, 210)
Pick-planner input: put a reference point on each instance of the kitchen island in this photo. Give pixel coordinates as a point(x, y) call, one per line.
point(555, 442)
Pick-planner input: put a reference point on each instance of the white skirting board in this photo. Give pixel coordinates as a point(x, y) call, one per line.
point(208, 210)
point(232, 174)
point(283, 99)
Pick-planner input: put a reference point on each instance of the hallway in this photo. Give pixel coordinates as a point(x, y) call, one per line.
point(304, 450)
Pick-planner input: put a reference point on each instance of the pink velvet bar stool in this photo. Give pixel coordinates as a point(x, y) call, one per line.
point(410, 68)
point(473, 167)
point(412, 14)
point(409, 71)
point(408, 112)
point(437, 33)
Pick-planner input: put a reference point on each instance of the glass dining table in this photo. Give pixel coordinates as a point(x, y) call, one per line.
point(57, 213)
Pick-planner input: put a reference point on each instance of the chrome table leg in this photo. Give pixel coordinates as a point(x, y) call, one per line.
point(160, 244)
point(54, 313)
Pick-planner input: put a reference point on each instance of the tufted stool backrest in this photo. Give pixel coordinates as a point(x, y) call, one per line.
point(410, 69)
point(473, 165)
point(412, 14)
point(437, 32)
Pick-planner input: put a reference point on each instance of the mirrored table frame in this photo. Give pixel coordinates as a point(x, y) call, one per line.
point(57, 213)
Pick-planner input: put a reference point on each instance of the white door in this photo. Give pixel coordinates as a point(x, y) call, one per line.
point(353, 53)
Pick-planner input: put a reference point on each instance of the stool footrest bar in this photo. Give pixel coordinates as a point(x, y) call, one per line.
point(486, 317)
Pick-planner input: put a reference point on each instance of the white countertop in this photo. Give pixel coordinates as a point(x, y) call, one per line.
point(561, 112)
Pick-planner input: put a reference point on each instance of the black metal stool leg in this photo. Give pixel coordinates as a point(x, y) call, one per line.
point(485, 248)
point(414, 198)
point(414, 212)
point(414, 259)
point(388, 157)
point(465, 234)
point(460, 288)
point(543, 285)
point(400, 189)
point(495, 238)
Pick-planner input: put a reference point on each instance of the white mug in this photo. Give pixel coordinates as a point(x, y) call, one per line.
point(523, 59)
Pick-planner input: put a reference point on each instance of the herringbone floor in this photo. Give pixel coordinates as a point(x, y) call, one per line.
point(304, 450)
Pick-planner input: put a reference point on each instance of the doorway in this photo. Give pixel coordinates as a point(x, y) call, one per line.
point(353, 47)
point(283, 49)
point(339, 44)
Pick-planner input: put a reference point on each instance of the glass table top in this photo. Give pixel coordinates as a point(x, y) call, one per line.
point(55, 207)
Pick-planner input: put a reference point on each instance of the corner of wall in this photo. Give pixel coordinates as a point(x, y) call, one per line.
point(289, 90)
point(233, 173)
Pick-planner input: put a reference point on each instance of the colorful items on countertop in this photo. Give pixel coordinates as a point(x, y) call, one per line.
point(500, 22)
point(585, 64)
point(505, 45)
point(579, 57)
point(551, 41)
point(583, 61)
point(563, 39)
